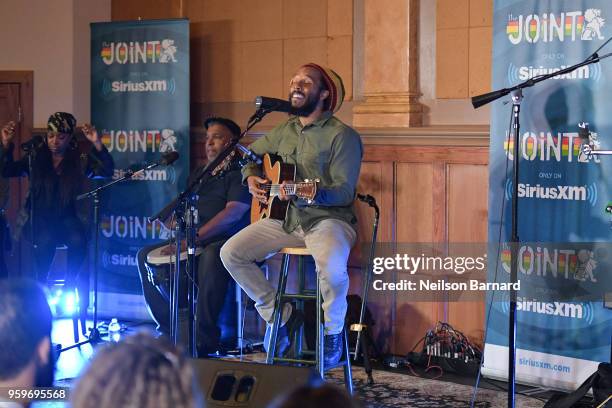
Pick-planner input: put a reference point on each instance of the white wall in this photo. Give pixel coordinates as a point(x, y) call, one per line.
point(85, 12)
point(51, 38)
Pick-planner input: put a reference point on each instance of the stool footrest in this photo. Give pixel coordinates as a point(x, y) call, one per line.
point(294, 360)
point(298, 296)
point(311, 362)
point(341, 363)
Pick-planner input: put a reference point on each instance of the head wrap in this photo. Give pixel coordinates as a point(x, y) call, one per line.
point(334, 85)
point(61, 122)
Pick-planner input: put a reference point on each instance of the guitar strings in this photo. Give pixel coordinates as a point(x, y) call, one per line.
point(273, 186)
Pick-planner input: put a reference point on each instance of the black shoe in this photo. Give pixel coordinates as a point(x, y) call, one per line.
point(332, 349)
point(204, 351)
point(285, 333)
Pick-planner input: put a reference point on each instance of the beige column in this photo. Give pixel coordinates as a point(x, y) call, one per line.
point(390, 65)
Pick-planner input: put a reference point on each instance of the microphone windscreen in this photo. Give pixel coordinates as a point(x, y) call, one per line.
point(480, 100)
point(273, 104)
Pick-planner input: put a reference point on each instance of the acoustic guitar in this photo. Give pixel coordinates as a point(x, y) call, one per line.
point(276, 172)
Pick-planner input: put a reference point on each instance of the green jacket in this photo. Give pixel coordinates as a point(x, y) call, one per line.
point(326, 149)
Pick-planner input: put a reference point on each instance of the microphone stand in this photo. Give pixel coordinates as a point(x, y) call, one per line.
point(590, 152)
point(31, 152)
point(359, 327)
point(517, 97)
point(94, 334)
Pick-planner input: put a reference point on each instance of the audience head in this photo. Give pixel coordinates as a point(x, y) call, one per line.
point(326, 395)
point(26, 356)
point(140, 371)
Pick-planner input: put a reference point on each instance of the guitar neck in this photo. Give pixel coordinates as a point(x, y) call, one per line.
point(305, 189)
point(290, 188)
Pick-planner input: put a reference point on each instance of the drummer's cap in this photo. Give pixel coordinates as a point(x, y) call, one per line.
point(228, 123)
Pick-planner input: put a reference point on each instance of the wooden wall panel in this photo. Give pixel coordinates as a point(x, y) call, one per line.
point(469, 318)
point(413, 320)
point(370, 182)
point(414, 197)
point(440, 195)
point(376, 179)
point(145, 9)
point(468, 189)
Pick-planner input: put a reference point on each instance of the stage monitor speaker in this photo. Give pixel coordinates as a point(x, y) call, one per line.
point(239, 384)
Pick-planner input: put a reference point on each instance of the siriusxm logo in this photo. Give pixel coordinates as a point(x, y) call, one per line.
point(109, 260)
point(167, 174)
point(145, 52)
point(577, 193)
point(144, 86)
point(559, 309)
point(559, 192)
point(523, 73)
point(161, 85)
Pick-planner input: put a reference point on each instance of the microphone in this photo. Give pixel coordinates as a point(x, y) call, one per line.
point(480, 100)
point(169, 158)
point(274, 105)
point(34, 143)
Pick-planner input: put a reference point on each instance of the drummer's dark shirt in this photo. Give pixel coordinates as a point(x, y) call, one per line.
point(217, 192)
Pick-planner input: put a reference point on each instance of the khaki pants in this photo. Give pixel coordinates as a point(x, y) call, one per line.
point(329, 241)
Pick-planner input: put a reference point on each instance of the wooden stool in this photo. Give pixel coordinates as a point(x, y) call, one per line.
point(303, 295)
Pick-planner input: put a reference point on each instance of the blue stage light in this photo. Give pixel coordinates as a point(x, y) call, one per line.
point(69, 303)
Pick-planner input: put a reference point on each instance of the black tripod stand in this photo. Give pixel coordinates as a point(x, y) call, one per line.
point(94, 334)
point(30, 149)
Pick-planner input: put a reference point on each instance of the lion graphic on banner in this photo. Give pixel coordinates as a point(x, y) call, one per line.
point(594, 22)
point(168, 140)
point(164, 232)
point(168, 49)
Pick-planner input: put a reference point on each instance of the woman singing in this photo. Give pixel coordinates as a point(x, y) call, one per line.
point(56, 171)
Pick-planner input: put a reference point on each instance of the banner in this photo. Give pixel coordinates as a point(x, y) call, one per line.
point(562, 194)
point(140, 105)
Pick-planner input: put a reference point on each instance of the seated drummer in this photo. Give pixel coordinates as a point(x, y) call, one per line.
point(223, 208)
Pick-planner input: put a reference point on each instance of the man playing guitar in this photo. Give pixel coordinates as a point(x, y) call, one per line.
point(322, 148)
